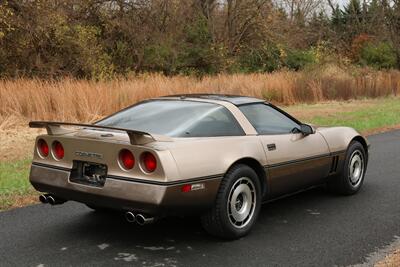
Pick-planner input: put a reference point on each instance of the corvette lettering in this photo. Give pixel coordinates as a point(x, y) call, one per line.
point(88, 154)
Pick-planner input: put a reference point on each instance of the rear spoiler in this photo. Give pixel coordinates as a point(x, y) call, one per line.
point(135, 137)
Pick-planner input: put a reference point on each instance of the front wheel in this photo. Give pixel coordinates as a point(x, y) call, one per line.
point(237, 204)
point(351, 177)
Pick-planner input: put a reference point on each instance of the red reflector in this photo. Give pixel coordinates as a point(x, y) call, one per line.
point(58, 150)
point(127, 159)
point(43, 148)
point(186, 188)
point(192, 187)
point(149, 161)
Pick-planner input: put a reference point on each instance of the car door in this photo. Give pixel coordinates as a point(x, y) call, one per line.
point(295, 160)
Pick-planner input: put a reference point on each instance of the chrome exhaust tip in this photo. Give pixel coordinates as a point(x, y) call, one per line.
point(43, 199)
point(130, 217)
point(53, 200)
point(142, 220)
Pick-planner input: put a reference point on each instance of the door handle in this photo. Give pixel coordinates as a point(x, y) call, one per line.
point(271, 147)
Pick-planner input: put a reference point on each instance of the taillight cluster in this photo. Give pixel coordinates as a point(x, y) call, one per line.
point(43, 148)
point(126, 159)
point(148, 161)
point(56, 148)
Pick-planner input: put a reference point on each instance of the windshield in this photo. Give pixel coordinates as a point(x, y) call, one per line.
point(176, 118)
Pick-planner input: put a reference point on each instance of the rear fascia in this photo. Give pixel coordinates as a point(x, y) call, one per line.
point(157, 193)
point(107, 152)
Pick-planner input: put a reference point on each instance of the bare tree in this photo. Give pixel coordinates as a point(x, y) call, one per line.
point(302, 8)
point(243, 19)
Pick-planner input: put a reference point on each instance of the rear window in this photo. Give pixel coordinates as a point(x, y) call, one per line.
point(176, 118)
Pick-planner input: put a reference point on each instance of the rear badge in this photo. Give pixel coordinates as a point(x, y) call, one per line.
point(88, 155)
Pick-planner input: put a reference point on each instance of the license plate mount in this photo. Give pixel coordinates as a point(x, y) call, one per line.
point(88, 173)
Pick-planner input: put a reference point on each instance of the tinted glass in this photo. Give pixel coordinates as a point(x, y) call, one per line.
point(177, 119)
point(268, 120)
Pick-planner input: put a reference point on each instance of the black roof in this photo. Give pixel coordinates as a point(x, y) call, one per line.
point(234, 99)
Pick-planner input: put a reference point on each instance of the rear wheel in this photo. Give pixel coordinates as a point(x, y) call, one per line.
point(237, 204)
point(351, 177)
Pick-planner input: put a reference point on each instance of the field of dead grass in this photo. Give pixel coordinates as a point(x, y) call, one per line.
point(86, 101)
point(390, 260)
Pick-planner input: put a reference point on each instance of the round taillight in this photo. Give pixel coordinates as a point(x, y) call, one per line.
point(43, 148)
point(149, 161)
point(126, 159)
point(58, 150)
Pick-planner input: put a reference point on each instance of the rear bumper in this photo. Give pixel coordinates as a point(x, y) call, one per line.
point(122, 194)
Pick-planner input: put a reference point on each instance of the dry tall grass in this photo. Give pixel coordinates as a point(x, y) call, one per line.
point(86, 101)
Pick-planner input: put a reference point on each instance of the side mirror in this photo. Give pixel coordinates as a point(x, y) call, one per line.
point(306, 129)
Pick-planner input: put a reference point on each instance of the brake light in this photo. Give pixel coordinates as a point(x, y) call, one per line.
point(149, 161)
point(126, 159)
point(43, 148)
point(58, 150)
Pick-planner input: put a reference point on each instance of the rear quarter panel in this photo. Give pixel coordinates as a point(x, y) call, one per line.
point(201, 157)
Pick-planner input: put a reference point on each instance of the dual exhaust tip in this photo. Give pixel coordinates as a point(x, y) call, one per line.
point(139, 218)
point(50, 199)
point(129, 216)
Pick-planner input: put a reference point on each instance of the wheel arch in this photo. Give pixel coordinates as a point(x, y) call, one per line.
point(363, 142)
point(257, 167)
point(339, 138)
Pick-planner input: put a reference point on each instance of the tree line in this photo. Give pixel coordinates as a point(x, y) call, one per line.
point(100, 39)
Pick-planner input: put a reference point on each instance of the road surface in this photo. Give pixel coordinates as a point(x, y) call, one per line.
point(308, 229)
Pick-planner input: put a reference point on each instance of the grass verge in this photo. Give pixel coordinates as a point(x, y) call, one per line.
point(15, 189)
point(367, 116)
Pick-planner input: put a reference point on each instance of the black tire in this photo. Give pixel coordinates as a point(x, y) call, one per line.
point(216, 221)
point(343, 183)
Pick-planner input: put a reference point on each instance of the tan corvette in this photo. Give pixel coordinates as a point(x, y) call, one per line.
point(214, 155)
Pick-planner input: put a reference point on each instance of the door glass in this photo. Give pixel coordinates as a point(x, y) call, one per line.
point(267, 120)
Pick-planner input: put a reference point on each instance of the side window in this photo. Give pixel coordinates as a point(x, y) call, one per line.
point(267, 120)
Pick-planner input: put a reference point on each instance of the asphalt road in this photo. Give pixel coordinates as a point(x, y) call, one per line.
point(308, 229)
